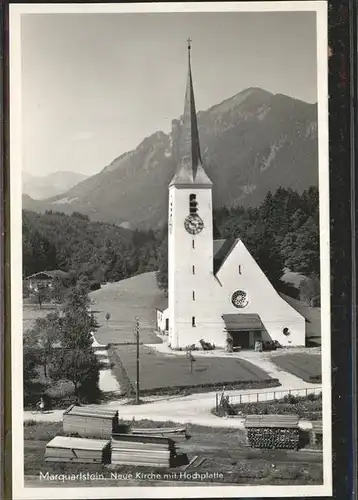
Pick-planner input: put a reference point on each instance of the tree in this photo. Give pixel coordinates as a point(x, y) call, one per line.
point(77, 361)
point(262, 246)
point(80, 366)
point(41, 339)
point(310, 290)
point(41, 295)
point(58, 290)
point(107, 318)
point(162, 273)
point(29, 371)
point(300, 249)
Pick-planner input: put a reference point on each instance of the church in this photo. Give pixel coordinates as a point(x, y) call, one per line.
point(216, 290)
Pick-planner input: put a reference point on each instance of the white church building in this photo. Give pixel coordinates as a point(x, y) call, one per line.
point(216, 290)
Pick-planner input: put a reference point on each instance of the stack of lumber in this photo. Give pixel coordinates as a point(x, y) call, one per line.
point(317, 427)
point(316, 434)
point(69, 449)
point(142, 450)
point(175, 433)
point(90, 421)
point(272, 431)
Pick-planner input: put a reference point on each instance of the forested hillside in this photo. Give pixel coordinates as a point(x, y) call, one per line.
point(99, 251)
point(286, 225)
point(283, 232)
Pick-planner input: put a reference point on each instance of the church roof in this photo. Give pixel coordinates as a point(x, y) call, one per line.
point(312, 315)
point(242, 322)
point(190, 169)
point(222, 249)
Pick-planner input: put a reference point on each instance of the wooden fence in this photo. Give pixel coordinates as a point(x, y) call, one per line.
point(269, 395)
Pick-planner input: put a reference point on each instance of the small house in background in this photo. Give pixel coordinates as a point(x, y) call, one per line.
point(43, 279)
point(162, 320)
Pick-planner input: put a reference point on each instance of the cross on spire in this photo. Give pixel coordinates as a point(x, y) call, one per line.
point(189, 40)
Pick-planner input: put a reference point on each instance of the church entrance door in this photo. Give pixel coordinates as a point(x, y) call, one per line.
point(241, 338)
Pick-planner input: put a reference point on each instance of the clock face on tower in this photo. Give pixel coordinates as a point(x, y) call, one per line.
point(193, 224)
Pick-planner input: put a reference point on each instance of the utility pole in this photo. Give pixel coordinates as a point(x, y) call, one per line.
point(137, 340)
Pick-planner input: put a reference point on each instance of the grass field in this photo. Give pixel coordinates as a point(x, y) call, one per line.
point(125, 301)
point(305, 366)
point(224, 451)
point(165, 371)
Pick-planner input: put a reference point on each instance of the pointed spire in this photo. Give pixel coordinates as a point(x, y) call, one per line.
point(189, 167)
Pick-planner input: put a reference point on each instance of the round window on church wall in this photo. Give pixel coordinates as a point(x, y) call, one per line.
point(239, 299)
point(286, 331)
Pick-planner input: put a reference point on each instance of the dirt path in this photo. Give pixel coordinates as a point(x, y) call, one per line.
point(195, 408)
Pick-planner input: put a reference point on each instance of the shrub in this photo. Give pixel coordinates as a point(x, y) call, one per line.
point(313, 397)
point(189, 389)
point(304, 407)
point(290, 398)
point(30, 423)
point(60, 389)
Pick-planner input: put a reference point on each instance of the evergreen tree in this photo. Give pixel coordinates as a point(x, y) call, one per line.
point(162, 273)
point(77, 361)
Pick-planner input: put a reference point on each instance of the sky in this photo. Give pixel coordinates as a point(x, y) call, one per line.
point(93, 86)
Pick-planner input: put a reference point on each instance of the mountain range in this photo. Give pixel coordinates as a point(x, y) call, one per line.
point(251, 143)
point(49, 185)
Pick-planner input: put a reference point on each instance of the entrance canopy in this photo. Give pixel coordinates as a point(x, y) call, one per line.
point(242, 322)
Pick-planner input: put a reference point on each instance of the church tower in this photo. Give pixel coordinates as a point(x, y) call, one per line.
point(190, 238)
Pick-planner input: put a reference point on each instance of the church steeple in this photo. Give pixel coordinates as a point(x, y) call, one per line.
point(189, 167)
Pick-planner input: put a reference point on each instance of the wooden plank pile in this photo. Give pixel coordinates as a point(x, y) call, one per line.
point(78, 450)
point(90, 421)
point(316, 433)
point(174, 433)
point(272, 431)
point(142, 450)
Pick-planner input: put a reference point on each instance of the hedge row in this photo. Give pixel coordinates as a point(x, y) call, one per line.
point(209, 387)
point(309, 407)
point(118, 370)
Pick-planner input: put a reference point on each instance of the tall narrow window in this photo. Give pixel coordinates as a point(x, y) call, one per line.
point(193, 204)
point(239, 269)
point(193, 269)
point(193, 295)
point(193, 321)
point(193, 243)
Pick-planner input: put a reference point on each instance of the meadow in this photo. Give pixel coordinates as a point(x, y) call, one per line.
point(168, 373)
point(302, 365)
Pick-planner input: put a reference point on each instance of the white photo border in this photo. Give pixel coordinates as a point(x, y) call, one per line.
point(224, 491)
